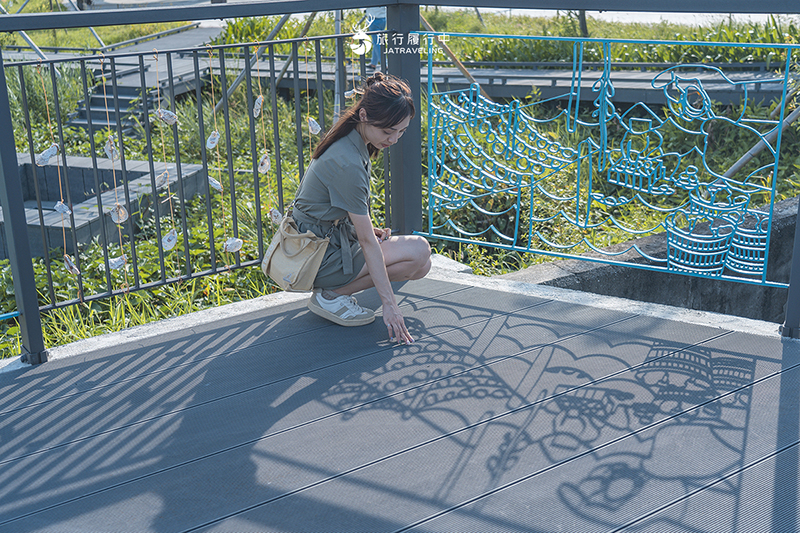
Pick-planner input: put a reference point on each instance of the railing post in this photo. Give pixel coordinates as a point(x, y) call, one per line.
point(16, 232)
point(791, 324)
point(405, 157)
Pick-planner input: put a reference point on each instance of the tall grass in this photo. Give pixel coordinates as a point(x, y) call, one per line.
point(116, 313)
point(775, 30)
point(80, 38)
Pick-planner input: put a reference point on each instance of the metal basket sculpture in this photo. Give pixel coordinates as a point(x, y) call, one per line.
point(698, 243)
point(748, 251)
point(698, 240)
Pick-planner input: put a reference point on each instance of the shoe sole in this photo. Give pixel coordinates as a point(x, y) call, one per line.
point(315, 308)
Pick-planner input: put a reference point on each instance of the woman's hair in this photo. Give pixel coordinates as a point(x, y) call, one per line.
point(386, 100)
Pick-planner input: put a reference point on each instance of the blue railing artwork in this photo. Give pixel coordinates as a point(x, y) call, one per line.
point(571, 174)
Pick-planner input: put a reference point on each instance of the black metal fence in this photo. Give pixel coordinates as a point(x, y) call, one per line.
point(183, 171)
point(157, 193)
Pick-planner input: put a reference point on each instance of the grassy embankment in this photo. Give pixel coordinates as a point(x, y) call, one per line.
point(112, 314)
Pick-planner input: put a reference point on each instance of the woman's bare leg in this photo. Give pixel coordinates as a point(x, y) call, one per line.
point(405, 256)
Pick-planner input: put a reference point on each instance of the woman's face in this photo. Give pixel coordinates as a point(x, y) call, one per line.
point(382, 138)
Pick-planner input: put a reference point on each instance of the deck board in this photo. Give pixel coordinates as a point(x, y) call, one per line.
point(510, 412)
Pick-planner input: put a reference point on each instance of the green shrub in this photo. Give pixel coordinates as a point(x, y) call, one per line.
point(112, 314)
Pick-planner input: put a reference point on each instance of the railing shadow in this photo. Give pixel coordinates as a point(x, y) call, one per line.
point(498, 413)
point(784, 505)
point(144, 427)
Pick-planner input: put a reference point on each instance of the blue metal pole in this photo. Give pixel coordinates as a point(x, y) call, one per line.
point(405, 157)
point(16, 231)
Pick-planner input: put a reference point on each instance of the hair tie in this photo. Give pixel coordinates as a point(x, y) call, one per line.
point(375, 78)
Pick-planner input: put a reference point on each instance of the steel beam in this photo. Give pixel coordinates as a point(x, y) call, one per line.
point(16, 232)
point(405, 157)
point(96, 18)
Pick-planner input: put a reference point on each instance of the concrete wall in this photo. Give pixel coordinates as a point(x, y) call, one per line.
point(690, 292)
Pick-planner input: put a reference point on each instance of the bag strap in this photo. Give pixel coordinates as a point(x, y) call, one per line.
point(308, 219)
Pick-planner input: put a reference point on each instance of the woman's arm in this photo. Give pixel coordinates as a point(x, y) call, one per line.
point(376, 267)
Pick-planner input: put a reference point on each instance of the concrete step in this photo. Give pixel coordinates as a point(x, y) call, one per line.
point(79, 184)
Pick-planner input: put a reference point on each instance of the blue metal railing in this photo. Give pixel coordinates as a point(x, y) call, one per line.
point(568, 174)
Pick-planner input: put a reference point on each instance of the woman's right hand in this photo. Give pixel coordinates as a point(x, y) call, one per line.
point(396, 324)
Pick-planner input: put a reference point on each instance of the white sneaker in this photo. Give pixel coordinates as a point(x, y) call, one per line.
point(343, 310)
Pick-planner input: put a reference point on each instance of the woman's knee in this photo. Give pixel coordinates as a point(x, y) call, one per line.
point(409, 253)
point(422, 257)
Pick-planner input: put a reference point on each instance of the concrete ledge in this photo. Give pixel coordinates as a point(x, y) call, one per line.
point(154, 329)
point(446, 269)
point(690, 292)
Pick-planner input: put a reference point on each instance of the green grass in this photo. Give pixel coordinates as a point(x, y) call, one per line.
point(113, 314)
point(81, 38)
point(565, 24)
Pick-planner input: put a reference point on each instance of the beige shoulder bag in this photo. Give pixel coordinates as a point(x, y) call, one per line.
point(293, 258)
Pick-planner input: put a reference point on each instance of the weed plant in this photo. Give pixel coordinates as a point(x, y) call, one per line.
point(97, 316)
point(78, 38)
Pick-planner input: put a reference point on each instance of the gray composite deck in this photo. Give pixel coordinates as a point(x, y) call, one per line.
point(511, 412)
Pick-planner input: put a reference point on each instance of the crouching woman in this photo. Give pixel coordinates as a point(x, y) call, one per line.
point(335, 192)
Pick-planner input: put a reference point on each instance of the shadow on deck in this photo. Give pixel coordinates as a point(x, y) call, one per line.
point(519, 408)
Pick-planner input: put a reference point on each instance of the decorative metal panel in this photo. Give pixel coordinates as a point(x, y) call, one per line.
point(570, 174)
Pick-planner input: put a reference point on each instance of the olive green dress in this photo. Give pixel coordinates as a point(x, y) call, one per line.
point(334, 185)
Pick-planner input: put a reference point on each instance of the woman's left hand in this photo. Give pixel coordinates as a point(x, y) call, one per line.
point(382, 234)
